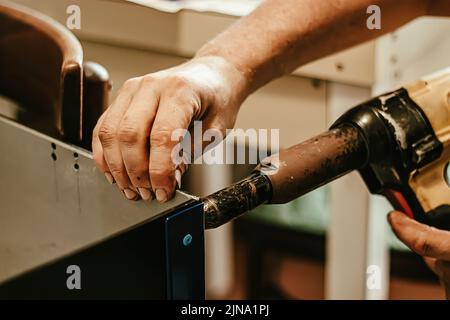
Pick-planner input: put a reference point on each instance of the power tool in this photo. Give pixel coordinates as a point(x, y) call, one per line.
point(399, 142)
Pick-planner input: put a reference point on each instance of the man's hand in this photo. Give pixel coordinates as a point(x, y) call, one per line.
point(132, 141)
point(431, 243)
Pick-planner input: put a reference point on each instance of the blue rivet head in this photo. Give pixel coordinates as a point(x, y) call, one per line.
point(187, 240)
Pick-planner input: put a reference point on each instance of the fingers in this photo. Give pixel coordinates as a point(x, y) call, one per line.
point(432, 243)
point(175, 112)
point(97, 151)
point(422, 239)
point(133, 141)
point(134, 133)
point(109, 139)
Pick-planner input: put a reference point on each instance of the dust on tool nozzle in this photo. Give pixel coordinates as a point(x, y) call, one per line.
point(398, 141)
point(293, 172)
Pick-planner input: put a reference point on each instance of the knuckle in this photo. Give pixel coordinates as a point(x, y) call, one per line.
point(178, 81)
point(147, 80)
point(189, 102)
point(135, 171)
point(128, 134)
point(161, 136)
point(128, 84)
point(115, 171)
point(160, 171)
point(106, 134)
point(422, 245)
point(139, 175)
point(138, 169)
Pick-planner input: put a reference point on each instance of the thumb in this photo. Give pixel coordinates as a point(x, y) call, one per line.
point(421, 238)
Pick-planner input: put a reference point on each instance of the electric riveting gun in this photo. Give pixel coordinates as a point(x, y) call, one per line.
point(399, 142)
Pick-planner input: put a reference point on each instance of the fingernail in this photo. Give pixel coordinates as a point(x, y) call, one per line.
point(109, 177)
point(161, 195)
point(130, 194)
point(178, 178)
point(389, 217)
point(394, 216)
point(145, 194)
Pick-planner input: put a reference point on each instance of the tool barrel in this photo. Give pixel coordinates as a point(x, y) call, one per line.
point(315, 162)
point(290, 174)
point(229, 203)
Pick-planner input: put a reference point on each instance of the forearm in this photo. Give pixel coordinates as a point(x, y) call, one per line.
point(281, 35)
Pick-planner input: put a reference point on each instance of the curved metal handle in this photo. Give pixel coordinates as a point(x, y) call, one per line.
point(41, 69)
point(96, 87)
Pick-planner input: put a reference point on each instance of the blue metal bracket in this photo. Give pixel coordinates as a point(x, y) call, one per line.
point(185, 252)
